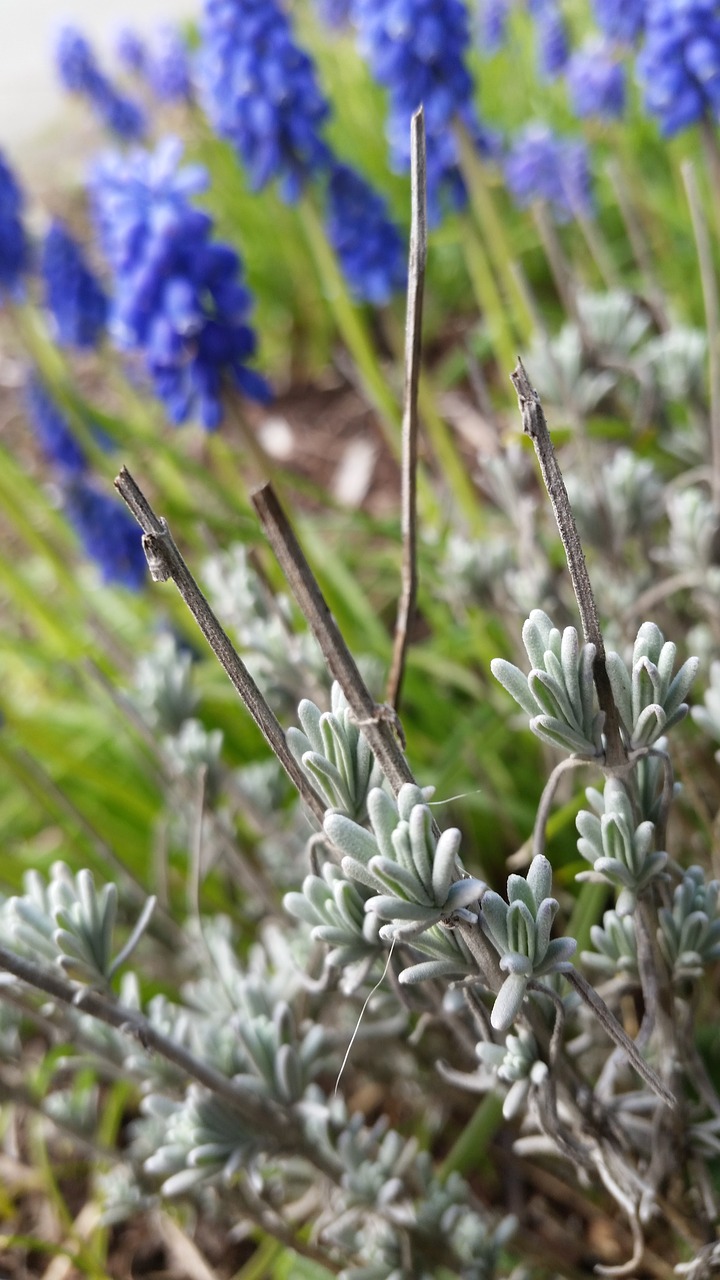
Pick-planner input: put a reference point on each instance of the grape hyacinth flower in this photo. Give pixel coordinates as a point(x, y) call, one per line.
point(260, 91)
point(179, 298)
point(416, 49)
point(679, 63)
point(368, 245)
point(108, 533)
point(131, 51)
point(130, 192)
point(552, 39)
point(542, 166)
point(492, 25)
point(167, 66)
point(52, 430)
point(14, 252)
point(334, 13)
point(73, 295)
point(80, 73)
point(620, 20)
point(596, 81)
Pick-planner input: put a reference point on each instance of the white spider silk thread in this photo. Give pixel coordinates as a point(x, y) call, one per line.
point(461, 795)
point(361, 1015)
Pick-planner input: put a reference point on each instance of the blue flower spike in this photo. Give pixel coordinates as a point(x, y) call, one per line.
point(542, 166)
point(596, 82)
point(417, 50)
point(80, 73)
point(679, 63)
point(73, 295)
point(14, 249)
point(109, 535)
point(260, 91)
point(52, 430)
point(179, 298)
point(369, 246)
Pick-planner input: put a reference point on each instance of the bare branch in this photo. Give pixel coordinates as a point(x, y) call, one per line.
point(165, 561)
point(535, 426)
point(376, 724)
point(620, 1037)
point(256, 1111)
point(413, 349)
point(712, 306)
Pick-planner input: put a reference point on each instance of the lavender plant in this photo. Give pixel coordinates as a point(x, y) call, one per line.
point(250, 1077)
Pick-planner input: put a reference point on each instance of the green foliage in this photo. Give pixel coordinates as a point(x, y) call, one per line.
point(558, 694)
point(519, 930)
point(621, 851)
point(276, 947)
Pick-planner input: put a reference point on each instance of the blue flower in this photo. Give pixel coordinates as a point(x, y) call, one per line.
point(542, 166)
point(493, 22)
point(416, 50)
point(259, 90)
point(167, 66)
point(336, 13)
point(679, 63)
point(80, 73)
point(109, 534)
point(179, 298)
point(620, 20)
point(132, 194)
point(368, 245)
point(72, 294)
point(14, 252)
point(553, 48)
point(596, 81)
point(131, 51)
point(52, 430)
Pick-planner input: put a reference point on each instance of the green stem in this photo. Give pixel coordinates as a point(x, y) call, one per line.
point(352, 326)
point(469, 1153)
point(258, 1268)
point(488, 298)
point(454, 468)
point(492, 229)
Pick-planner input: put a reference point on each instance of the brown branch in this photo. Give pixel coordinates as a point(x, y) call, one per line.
point(259, 1113)
point(711, 300)
point(535, 426)
point(413, 349)
point(611, 1025)
point(165, 561)
point(377, 727)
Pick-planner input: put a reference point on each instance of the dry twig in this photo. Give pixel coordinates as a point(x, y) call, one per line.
point(413, 349)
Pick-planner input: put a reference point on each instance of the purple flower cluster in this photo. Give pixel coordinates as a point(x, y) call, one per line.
point(163, 62)
point(335, 13)
point(131, 51)
point(14, 252)
point(108, 533)
point(416, 50)
point(260, 91)
point(679, 63)
point(167, 66)
point(542, 166)
point(492, 25)
point(79, 73)
point(368, 245)
point(620, 20)
point(179, 298)
point(552, 37)
point(73, 295)
point(596, 81)
point(52, 430)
